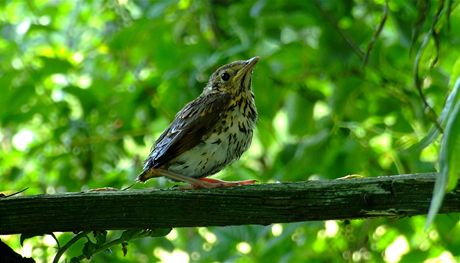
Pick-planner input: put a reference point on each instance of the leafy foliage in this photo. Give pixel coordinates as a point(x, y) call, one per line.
point(343, 87)
point(99, 242)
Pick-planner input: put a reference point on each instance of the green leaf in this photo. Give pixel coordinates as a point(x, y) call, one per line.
point(139, 233)
point(100, 236)
point(300, 114)
point(450, 149)
point(433, 133)
point(86, 97)
point(129, 234)
point(124, 248)
point(449, 155)
point(27, 236)
point(456, 69)
point(159, 232)
point(452, 99)
point(88, 249)
point(52, 65)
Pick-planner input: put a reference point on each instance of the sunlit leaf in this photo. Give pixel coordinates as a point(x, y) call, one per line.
point(449, 158)
point(23, 237)
point(433, 133)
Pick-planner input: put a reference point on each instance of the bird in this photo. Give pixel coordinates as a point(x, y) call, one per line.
point(209, 132)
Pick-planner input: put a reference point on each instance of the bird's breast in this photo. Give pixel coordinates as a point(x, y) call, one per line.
point(229, 138)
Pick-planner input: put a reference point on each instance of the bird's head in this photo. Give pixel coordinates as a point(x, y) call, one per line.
point(234, 78)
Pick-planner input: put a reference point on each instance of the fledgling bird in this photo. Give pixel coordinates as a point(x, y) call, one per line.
point(209, 132)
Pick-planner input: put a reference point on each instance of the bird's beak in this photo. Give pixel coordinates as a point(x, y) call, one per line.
point(250, 63)
point(244, 75)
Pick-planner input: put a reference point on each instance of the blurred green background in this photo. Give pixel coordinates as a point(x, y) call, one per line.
point(87, 86)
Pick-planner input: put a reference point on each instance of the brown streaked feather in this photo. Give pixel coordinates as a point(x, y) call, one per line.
point(193, 123)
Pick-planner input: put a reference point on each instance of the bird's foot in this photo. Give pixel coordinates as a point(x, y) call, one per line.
point(227, 183)
point(103, 189)
point(209, 183)
point(200, 183)
point(351, 176)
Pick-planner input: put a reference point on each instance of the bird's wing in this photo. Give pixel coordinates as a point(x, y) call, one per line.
point(193, 123)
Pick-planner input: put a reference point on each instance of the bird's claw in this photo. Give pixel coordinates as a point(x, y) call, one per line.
point(208, 183)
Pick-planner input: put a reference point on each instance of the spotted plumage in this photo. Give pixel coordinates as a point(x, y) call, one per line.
point(209, 132)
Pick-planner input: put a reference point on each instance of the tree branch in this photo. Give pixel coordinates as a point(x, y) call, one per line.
point(388, 196)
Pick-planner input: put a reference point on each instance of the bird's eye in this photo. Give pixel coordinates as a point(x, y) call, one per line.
point(225, 76)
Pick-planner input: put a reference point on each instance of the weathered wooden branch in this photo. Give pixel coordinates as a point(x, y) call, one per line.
point(389, 196)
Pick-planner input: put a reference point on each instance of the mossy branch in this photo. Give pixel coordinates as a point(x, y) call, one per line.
point(387, 196)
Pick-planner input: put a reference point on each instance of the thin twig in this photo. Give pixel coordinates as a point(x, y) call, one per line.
point(435, 34)
point(56, 239)
point(417, 80)
point(69, 244)
point(13, 194)
point(103, 247)
point(437, 45)
point(342, 33)
point(448, 12)
point(376, 33)
point(423, 8)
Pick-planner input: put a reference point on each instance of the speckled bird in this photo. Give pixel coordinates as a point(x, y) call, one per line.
point(210, 132)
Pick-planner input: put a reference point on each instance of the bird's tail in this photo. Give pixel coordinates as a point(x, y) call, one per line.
point(147, 174)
